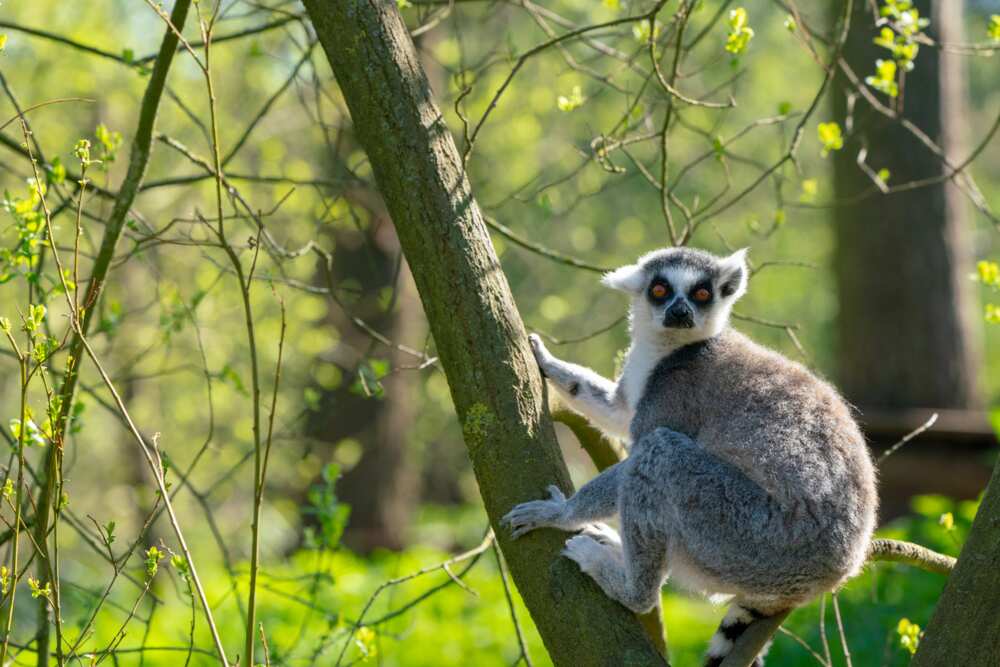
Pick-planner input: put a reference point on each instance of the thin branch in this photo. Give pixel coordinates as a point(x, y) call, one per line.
point(906, 438)
point(898, 551)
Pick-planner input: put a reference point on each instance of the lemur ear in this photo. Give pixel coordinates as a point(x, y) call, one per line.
point(734, 274)
point(627, 279)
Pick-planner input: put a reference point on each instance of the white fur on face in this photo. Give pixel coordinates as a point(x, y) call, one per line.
point(651, 341)
point(683, 278)
point(650, 316)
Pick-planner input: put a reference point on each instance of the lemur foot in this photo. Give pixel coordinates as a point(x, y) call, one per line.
point(588, 553)
point(533, 514)
point(603, 534)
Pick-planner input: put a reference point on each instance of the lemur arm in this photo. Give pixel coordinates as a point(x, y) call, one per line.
point(597, 500)
point(598, 399)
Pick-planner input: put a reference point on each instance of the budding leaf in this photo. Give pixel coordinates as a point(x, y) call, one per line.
point(830, 136)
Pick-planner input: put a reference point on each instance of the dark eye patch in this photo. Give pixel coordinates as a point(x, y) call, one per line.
point(659, 291)
point(701, 293)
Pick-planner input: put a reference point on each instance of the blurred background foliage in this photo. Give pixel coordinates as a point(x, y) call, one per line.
point(172, 337)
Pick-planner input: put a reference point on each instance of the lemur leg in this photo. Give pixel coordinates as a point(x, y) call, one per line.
point(586, 392)
point(596, 500)
point(633, 573)
point(724, 520)
point(726, 523)
point(674, 493)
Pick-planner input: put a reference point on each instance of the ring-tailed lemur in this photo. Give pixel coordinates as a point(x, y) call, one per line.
point(747, 479)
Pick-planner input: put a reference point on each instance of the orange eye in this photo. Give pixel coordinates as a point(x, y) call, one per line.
point(702, 295)
point(659, 291)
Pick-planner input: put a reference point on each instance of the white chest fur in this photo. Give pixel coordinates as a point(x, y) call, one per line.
point(640, 361)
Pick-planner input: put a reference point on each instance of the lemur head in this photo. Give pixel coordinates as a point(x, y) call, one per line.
point(681, 295)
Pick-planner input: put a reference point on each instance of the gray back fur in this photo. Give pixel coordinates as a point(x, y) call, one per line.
point(793, 436)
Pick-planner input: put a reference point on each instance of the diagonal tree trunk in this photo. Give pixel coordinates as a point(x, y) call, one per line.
point(480, 338)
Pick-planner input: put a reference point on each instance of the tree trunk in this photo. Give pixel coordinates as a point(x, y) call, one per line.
point(965, 627)
point(481, 343)
point(383, 486)
point(907, 337)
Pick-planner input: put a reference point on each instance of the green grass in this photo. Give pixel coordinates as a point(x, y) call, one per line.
point(309, 603)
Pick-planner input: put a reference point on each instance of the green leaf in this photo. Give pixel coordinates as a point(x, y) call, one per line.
point(56, 172)
point(719, 146)
point(328, 511)
point(153, 558)
point(369, 375)
point(312, 398)
point(909, 635)
point(364, 639)
point(988, 273)
point(740, 32)
point(810, 187)
point(884, 79)
point(229, 375)
point(109, 142)
point(573, 101)
point(830, 137)
point(82, 151)
point(644, 33)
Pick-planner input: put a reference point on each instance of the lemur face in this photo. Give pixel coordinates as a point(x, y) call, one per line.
point(681, 294)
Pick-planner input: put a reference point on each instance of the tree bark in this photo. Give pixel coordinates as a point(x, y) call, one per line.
point(965, 627)
point(481, 342)
point(906, 333)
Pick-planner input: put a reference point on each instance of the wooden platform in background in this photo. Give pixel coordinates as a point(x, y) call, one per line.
point(954, 457)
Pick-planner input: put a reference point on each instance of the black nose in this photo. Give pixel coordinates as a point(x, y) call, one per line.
point(679, 316)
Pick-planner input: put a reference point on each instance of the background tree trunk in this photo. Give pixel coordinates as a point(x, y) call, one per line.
point(496, 389)
point(382, 486)
point(965, 627)
point(907, 338)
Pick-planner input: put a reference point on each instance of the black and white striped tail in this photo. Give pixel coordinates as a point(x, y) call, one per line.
point(735, 623)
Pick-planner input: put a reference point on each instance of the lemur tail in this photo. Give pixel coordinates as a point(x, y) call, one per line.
point(733, 625)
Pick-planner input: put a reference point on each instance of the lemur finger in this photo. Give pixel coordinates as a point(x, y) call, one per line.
point(555, 493)
point(520, 514)
point(520, 531)
point(584, 551)
point(538, 348)
point(519, 525)
point(531, 508)
point(602, 534)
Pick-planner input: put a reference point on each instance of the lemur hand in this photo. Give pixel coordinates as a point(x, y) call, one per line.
point(533, 514)
point(542, 355)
